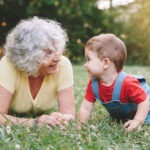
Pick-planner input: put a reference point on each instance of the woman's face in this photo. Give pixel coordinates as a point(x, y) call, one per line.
point(51, 62)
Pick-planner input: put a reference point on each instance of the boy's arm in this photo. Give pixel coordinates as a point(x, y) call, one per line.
point(142, 110)
point(140, 116)
point(85, 111)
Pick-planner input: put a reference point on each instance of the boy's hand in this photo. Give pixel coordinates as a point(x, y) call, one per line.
point(131, 125)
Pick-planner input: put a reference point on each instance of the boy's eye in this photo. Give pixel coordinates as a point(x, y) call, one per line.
point(88, 59)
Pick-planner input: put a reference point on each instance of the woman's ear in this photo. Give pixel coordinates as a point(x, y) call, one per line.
point(107, 62)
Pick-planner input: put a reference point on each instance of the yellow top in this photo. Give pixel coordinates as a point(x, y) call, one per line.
point(17, 83)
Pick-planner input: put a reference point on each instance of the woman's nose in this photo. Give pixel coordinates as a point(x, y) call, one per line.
point(57, 56)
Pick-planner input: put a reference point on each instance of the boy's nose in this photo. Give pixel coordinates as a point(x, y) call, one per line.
point(85, 65)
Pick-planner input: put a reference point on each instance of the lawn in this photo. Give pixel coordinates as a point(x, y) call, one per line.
point(100, 134)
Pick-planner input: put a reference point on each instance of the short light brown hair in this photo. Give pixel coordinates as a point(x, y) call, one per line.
point(108, 46)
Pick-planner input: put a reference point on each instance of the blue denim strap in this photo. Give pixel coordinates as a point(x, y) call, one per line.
point(95, 88)
point(118, 86)
point(143, 83)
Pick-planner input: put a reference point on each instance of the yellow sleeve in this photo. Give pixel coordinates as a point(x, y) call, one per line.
point(8, 75)
point(65, 74)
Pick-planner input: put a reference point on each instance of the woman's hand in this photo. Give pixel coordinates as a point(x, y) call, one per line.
point(55, 119)
point(51, 120)
point(67, 118)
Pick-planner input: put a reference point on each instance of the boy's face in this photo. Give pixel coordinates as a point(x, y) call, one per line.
point(93, 65)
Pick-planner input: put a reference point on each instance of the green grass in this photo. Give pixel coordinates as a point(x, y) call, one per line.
point(100, 134)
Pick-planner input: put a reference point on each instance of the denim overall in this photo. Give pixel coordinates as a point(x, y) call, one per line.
point(117, 109)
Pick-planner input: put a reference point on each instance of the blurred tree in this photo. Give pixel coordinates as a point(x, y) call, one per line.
point(82, 19)
point(138, 31)
point(11, 11)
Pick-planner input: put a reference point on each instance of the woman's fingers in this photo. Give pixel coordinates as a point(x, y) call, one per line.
point(68, 117)
point(55, 119)
point(52, 121)
point(48, 120)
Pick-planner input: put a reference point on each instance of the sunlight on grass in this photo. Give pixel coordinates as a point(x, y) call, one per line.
point(101, 133)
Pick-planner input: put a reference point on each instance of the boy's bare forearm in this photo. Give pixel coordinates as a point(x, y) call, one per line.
point(85, 111)
point(83, 116)
point(142, 110)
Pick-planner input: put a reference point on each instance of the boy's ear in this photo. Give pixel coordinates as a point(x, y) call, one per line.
point(107, 62)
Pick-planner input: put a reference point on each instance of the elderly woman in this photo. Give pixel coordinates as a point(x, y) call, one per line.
point(34, 73)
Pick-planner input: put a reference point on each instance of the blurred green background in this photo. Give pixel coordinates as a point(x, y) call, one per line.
point(83, 19)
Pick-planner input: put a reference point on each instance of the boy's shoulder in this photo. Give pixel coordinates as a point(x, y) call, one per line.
point(130, 78)
point(127, 78)
point(126, 81)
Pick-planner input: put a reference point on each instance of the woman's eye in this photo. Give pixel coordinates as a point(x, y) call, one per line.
point(48, 53)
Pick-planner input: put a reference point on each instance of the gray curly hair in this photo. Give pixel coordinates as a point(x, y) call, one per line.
point(26, 43)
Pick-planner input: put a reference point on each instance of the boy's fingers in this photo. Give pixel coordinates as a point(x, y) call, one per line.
point(139, 128)
point(126, 125)
point(132, 125)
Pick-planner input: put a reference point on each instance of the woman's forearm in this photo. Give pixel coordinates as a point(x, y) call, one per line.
point(6, 119)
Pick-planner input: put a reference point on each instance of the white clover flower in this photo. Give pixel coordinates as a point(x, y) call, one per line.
point(18, 147)
point(93, 127)
point(28, 130)
point(8, 130)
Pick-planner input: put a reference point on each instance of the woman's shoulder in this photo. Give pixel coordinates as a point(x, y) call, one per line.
point(9, 74)
point(65, 62)
point(6, 65)
point(64, 59)
point(4, 62)
point(65, 67)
